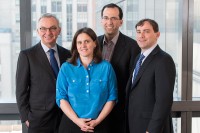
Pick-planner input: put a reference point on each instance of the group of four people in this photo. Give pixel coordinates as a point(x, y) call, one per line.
point(103, 85)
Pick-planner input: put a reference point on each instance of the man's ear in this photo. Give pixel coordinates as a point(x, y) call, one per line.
point(158, 34)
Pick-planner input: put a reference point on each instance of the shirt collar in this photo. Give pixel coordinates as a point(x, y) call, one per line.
point(148, 51)
point(80, 64)
point(114, 40)
point(46, 49)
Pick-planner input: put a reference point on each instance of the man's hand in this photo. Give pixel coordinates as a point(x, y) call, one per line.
point(27, 123)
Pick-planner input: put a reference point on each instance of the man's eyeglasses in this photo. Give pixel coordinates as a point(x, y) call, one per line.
point(51, 29)
point(112, 18)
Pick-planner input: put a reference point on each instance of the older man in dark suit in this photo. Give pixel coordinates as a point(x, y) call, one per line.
point(151, 84)
point(121, 51)
point(36, 75)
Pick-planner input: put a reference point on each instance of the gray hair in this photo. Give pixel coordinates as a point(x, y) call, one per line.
point(49, 15)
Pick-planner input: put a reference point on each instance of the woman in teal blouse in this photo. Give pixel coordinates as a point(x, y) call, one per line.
point(86, 88)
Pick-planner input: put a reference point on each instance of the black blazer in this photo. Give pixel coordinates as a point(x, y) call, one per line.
point(150, 96)
point(122, 60)
point(36, 85)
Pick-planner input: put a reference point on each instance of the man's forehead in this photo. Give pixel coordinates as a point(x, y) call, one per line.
point(145, 26)
point(50, 22)
point(146, 29)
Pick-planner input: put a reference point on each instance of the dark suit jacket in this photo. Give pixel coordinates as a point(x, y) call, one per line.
point(36, 87)
point(151, 95)
point(122, 60)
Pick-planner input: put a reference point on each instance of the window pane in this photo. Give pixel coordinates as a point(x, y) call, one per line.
point(9, 48)
point(195, 125)
point(177, 125)
point(13, 126)
point(196, 53)
point(71, 14)
point(171, 38)
point(170, 28)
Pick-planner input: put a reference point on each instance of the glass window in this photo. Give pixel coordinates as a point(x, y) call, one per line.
point(81, 25)
point(43, 9)
point(56, 6)
point(9, 49)
point(177, 125)
point(171, 38)
point(69, 22)
point(196, 53)
point(170, 29)
point(82, 8)
point(195, 125)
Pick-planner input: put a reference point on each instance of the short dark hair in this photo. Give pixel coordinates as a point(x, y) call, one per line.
point(112, 5)
point(152, 22)
point(97, 56)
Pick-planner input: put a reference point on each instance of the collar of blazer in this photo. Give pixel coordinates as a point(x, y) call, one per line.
point(145, 65)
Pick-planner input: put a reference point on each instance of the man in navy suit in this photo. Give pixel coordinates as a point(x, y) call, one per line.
point(36, 80)
point(150, 92)
point(121, 51)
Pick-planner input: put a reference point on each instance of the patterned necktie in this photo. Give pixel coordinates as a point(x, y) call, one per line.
point(53, 62)
point(138, 65)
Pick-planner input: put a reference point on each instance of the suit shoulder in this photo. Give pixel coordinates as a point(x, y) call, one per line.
point(164, 57)
point(129, 39)
point(101, 36)
point(164, 54)
point(30, 50)
point(64, 50)
point(131, 44)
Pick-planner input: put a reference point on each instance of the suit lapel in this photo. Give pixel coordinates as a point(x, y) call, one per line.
point(145, 64)
point(119, 48)
point(43, 60)
point(100, 39)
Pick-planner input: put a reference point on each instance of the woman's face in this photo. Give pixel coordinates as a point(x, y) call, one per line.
point(85, 45)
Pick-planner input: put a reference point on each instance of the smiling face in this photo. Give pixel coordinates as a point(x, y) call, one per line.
point(145, 36)
point(85, 45)
point(48, 30)
point(111, 21)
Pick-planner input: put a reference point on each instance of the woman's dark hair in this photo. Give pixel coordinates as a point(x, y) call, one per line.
point(97, 56)
point(152, 22)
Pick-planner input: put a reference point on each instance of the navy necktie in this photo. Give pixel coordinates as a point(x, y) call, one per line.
point(53, 62)
point(138, 65)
